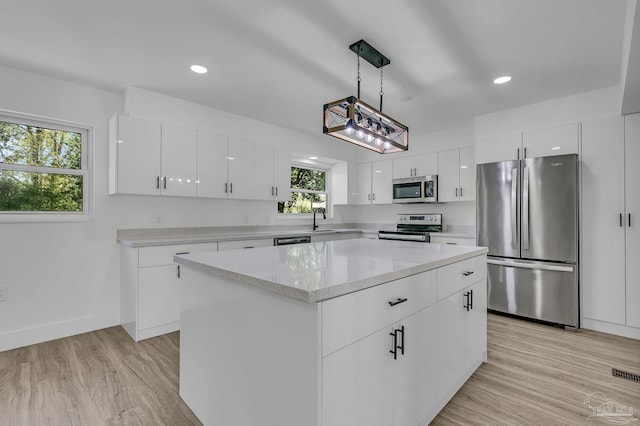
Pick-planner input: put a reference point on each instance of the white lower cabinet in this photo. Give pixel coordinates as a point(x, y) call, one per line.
point(149, 288)
point(404, 373)
point(245, 244)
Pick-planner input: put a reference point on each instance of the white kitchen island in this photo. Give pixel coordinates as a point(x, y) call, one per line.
point(352, 332)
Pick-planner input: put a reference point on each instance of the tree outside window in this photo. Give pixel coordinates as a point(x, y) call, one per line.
point(308, 191)
point(42, 168)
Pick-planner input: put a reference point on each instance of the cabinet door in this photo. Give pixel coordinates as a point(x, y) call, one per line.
point(138, 156)
point(357, 383)
point(158, 296)
point(381, 181)
point(403, 167)
point(450, 341)
point(416, 387)
point(212, 165)
point(551, 141)
point(603, 253)
point(281, 174)
point(263, 180)
point(364, 183)
point(426, 164)
point(632, 172)
point(241, 169)
point(448, 175)
point(245, 244)
point(179, 161)
point(467, 188)
point(476, 324)
point(504, 147)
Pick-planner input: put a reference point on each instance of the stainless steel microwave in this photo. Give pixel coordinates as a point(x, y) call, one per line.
point(418, 189)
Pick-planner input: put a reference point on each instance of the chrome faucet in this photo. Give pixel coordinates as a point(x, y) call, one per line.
point(324, 216)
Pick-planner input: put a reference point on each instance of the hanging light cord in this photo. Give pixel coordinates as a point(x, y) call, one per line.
point(358, 79)
point(381, 92)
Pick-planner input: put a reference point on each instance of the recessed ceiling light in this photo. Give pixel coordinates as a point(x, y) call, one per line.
point(198, 69)
point(313, 158)
point(502, 80)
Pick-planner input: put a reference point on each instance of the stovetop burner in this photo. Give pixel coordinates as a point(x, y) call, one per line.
point(414, 227)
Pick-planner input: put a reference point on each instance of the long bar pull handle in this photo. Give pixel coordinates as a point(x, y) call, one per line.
point(466, 303)
point(398, 301)
point(226, 187)
point(157, 182)
point(231, 187)
point(276, 191)
point(456, 192)
point(470, 299)
point(164, 179)
point(460, 191)
point(621, 220)
point(525, 152)
point(629, 220)
point(272, 192)
point(178, 271)
point(394, 351)
point(514, 211)
point(518, 154)
point(525, 209)
point(401, 347)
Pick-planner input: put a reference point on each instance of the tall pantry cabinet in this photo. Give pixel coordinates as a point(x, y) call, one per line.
point(610, 248)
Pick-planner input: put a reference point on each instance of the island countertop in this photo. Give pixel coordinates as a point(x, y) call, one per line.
point(319, 271)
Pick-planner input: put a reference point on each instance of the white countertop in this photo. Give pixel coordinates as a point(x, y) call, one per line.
point(318, 271)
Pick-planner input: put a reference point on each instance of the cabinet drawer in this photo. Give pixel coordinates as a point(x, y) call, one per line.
point(245, 244)
point(463, 241)
point(455, 277)
point(163, 255)
point(348, 318)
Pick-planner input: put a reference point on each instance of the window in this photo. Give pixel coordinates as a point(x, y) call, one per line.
point(44, 170)
point(308, 191)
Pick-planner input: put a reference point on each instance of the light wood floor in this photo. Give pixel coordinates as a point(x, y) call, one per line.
point(536, 374)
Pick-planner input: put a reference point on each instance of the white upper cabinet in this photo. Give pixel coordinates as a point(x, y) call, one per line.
point(456, 175)
point(272, 173)
point(212, 165)
point(374, 182)
point(491, 149)
point(134, 156)
point(558, 140)
point(415, 165)
point(546, 142)
point(179, 160)
point(241, 169)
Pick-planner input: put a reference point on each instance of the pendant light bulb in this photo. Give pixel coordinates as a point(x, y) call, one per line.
point(378, 142)
point(370, 138)
point(360, 134)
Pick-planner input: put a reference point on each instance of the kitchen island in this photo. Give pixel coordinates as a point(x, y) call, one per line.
point(352, 332)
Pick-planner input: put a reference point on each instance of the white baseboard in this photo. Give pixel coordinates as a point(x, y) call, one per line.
point(56, 330)
point(611, 328)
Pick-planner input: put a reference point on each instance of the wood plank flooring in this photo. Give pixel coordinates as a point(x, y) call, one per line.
point(536, 375)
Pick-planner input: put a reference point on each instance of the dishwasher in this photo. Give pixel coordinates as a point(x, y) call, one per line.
point(284, 241)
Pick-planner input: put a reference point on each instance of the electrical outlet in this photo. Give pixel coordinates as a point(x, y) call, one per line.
point(3, 294)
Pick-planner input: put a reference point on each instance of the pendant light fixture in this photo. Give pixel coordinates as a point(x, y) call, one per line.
point(355, 121)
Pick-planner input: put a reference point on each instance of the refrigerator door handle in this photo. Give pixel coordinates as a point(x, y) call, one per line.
point(525, 208)
point(533, 265)
point(514, 212)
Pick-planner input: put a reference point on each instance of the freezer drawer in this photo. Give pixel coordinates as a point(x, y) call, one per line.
point(543, 291)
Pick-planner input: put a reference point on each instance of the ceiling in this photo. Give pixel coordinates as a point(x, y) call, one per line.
point(279, 61)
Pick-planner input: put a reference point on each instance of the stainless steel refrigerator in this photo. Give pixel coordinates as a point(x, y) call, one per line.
point(527, 215)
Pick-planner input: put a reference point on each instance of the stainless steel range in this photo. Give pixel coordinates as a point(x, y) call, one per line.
point(414, 227)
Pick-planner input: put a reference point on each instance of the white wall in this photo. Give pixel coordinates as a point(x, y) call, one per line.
point(63, 278)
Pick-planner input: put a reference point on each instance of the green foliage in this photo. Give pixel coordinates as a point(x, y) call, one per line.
point(29, 190)
point(313, 180)
point(311, 185)
point(302, 202)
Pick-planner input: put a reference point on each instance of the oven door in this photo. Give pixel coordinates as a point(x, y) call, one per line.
point(408, 190)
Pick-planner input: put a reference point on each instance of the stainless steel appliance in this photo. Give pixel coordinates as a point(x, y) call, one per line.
point(414, 227)
point(527, 215)
point(418, 189)
point(283, 241)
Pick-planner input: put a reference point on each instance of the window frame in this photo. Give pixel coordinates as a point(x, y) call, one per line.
point(327, 185)
point(86, 169)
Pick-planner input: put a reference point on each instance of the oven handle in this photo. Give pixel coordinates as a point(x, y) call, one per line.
point(403, 237)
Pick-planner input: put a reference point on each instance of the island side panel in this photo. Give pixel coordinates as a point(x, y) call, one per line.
point(247, 356)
